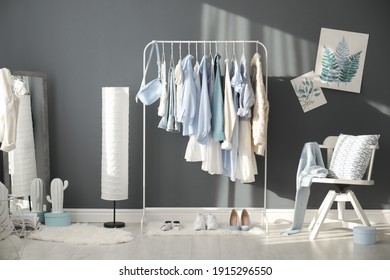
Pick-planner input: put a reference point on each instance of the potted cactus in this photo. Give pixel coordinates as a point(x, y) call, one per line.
point(57, 188)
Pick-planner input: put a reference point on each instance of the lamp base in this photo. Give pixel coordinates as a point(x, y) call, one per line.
point(114, 224)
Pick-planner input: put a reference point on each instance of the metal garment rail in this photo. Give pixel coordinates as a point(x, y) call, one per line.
point(226, 42)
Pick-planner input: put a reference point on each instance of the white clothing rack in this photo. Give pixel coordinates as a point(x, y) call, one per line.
point(243, 42)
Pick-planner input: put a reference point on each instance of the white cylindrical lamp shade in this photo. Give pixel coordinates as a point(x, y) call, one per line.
point(22, 162)
point(115, 143)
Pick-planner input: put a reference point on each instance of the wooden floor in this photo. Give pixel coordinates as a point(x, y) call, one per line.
point(330, 245)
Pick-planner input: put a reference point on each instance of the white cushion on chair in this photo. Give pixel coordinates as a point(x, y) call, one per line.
point(351, 156)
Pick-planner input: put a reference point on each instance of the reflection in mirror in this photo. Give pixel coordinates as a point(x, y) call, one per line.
point(33, 160)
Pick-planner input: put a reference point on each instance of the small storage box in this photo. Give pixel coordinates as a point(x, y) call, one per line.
point(364, 235)
point(57, 219)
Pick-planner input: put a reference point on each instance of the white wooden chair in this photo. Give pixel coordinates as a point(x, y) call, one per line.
point(342, 195)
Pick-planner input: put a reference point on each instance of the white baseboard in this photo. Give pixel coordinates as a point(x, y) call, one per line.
point(83, 215)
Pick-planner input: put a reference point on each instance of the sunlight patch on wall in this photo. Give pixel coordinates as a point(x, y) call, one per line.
point(384, 109)
point(288, 55)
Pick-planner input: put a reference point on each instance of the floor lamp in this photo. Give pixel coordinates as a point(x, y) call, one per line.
point(115, 143)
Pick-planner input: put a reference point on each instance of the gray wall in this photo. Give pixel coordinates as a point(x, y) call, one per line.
point(85, 45)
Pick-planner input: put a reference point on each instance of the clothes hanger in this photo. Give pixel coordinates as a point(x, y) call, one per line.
point(163, 52)
point(234, 51)
point(172, 62)
point(226, 49)
point(196, 51)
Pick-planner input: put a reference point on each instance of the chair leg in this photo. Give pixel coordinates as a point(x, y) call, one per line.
point(324, 209)
point(313, 221)
point(358, 208)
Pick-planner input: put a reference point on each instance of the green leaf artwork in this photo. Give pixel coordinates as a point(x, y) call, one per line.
point(309, 95)
point(339, 66)
point(340, 59)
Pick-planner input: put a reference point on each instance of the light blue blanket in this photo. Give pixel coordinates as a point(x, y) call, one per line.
point(310, 165)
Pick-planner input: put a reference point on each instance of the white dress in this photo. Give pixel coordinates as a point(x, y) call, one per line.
point(246, 161)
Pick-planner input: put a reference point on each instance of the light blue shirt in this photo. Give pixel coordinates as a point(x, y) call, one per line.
point(247, 96)
point(188, 107)
point(204, 117)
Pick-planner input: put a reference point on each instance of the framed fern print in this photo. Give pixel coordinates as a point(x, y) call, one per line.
point(340, 60)
point(309, 95)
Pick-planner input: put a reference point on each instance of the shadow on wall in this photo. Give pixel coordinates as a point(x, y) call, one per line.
point(291, 55)
point(288, 55)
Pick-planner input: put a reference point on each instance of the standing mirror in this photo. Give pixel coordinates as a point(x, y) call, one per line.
point(35, 83)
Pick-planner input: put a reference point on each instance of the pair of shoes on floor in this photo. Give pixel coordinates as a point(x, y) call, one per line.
point(169, 225)
point(203, 223)
point(234, 222)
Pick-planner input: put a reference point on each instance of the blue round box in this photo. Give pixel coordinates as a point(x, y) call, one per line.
point(57, 219)
point(364, 235)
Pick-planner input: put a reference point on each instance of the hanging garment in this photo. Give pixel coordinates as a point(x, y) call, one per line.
point(229, 112)
point(217, 125)
point(179, 91)
point(188, 109)
point(172, 125)
point(246, 160)
point(229, 151)
point(260, 108)
point(204, 117)
point(229, 157)
point(163, 107)
point(20, 85)
point(9, 107)
point(213, 158)
point(164, 91)
point(247, 98)
point(195, 151)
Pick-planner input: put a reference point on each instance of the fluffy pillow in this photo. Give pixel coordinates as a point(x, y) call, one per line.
point(351, 156)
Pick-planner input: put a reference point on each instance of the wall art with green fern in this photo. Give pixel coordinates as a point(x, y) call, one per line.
point(309, 95)
point(339, 66)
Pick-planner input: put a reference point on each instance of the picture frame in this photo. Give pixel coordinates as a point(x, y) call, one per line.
point(340, 60)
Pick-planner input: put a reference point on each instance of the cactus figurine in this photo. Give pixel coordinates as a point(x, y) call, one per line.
point(57, 188)
point(37, 195)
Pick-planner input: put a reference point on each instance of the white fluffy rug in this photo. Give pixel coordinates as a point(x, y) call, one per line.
point(83, 233)
point(153, 228)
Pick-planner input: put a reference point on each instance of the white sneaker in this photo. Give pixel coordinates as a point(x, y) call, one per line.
point(177, 225)
point(211, 222)
point(200, 222)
